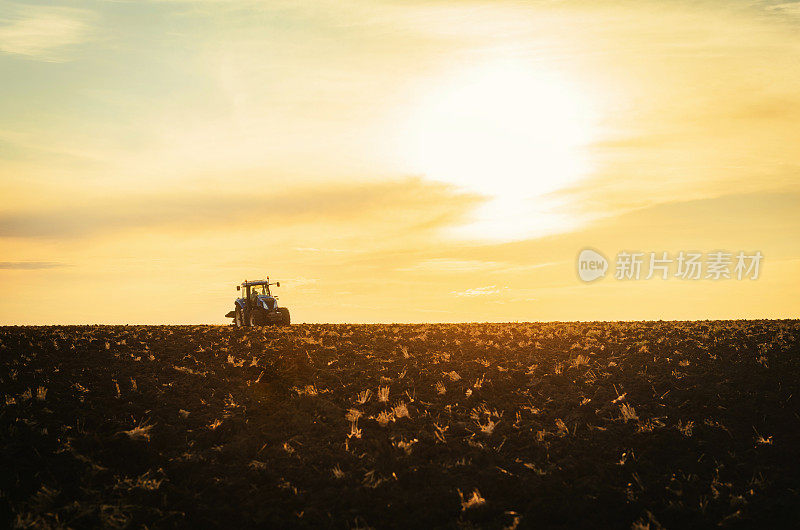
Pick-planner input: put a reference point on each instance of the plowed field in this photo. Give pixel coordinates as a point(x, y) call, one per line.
point(623, 425)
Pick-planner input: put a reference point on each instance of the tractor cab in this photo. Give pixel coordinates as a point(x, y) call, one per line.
point(254, 291)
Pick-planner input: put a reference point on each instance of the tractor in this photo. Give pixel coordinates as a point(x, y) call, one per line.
point(258, 307)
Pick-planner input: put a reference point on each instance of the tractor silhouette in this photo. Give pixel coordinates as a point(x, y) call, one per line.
point(258, 307)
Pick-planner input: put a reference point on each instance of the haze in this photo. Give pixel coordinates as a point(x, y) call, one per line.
point(393, 161)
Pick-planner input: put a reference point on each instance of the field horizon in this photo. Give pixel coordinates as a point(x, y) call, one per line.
point(420, 323)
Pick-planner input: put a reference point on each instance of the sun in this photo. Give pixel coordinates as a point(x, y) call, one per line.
point(510, 131)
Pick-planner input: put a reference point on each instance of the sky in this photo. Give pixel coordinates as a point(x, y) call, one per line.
point(395, 161)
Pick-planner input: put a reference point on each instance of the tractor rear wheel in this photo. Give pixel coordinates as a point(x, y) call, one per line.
point(238, 318)
point(286, 319)
point(257, 317)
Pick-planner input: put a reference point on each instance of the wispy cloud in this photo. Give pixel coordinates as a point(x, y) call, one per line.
point(299, 282)
point(312, 249)
point(478, 291)
point(451, 265)
point(788, 8)
point(42, 32)
point(381, 201)
point(30, 265)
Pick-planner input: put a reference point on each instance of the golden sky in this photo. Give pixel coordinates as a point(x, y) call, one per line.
point(394, 161)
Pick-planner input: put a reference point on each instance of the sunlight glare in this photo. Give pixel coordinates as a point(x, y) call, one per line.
point(512, 133)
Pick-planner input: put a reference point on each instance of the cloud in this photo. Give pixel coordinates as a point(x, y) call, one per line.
point(478, 291)
point(448, 265)
point(30, 265)
point(299, 282)
point(42, 32)
point(312, 249)
point(787, 8)
point(451, 265)
point(409, 203)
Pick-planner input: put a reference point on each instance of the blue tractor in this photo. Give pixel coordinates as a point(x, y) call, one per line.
point(258, 307)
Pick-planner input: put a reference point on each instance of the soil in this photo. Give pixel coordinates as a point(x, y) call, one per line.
point(559, 425)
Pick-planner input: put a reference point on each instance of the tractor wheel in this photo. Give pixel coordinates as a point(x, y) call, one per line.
point(257, 317)
point(238, 318)
point(286, 319)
